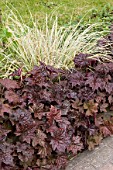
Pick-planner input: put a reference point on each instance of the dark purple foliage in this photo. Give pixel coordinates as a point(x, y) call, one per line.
point(82, 61)
point(50, 114)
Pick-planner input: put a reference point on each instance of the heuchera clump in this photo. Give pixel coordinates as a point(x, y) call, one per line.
point(49, 115)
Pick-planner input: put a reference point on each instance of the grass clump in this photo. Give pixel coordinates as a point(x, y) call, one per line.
point(24, 46)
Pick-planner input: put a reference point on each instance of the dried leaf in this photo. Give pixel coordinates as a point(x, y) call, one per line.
point(90, 108)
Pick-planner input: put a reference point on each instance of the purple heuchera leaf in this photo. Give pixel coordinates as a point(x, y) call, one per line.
point(12, 97)
point(76, 79)
point(95, 83)
point(53, 115)
point(9, 84)
point(81, 61)
point(60, 140)
point(76, 145)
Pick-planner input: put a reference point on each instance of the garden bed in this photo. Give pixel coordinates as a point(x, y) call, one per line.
point(49, 115)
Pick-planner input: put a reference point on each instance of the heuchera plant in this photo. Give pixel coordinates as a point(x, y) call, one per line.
point(50, 115)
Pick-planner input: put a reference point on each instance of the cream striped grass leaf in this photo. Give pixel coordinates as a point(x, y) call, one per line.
point(52, 44)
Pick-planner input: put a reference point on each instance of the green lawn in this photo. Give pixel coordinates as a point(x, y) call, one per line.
point(66, 9)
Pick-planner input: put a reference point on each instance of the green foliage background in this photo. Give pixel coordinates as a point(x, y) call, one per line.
point(67, 10)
